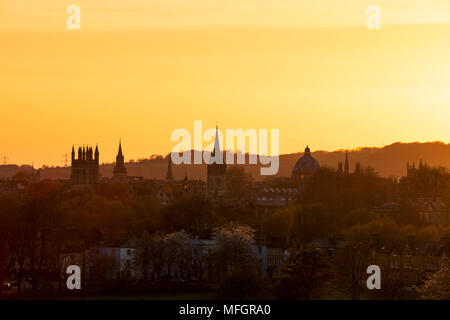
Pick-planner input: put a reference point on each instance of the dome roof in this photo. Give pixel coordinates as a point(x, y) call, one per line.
point(305, 165)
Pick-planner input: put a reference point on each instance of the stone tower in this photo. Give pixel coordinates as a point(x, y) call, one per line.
point(85, 167)
point(120, 172)
point(217, 170)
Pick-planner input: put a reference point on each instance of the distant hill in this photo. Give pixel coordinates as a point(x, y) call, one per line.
point(388, 161)
point(8, 170)
point(391, 160)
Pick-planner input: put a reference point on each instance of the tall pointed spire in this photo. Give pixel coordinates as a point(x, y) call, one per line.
point(169, 176)
point(216, 141)
point(120, 172)
point(119, 153)
point(96, 154)
point(217, 169)
point(216, 155)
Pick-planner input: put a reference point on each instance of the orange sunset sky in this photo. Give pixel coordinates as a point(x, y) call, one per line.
point(139, 69)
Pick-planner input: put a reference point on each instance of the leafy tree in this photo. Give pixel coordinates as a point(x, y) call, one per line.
point(8, 209)
point(238, 271)
point(187, 214)
point(351, 266)
point(438, 286)
point(357, 216)
point(151, 255)
point(397, 283)
point(104, 269)
point(238, 181)
point(234, 248)
point(302, 273)
point(385, 228)
point(245, 282)
point(430, 233)
point(177, 251)
point(278, 225)
point(312, 221)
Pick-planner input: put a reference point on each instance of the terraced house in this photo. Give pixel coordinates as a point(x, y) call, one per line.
point(410, 260)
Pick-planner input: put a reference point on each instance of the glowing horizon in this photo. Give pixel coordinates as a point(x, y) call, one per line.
point(138, 70)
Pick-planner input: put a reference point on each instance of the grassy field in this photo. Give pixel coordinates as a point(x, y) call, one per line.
point(163, 296)
point(129, 296)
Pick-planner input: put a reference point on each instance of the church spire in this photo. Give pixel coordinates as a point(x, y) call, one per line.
point(216, 141)
point(120, 157)
point(216, 155)
point(120, 172)
point(96, 154)
point(119, 153)
point(217, 170)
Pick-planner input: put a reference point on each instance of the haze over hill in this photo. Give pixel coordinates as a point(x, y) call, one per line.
point(388, 161)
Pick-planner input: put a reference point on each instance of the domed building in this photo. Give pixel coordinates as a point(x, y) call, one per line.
point(305, 165)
